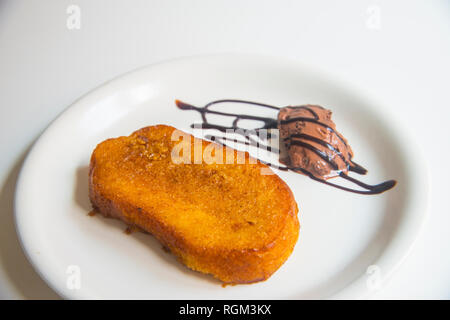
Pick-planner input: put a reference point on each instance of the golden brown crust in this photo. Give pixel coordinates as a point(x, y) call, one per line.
point(227, 220)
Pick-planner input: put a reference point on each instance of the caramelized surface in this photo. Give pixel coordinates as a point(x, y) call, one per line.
point(225, 219)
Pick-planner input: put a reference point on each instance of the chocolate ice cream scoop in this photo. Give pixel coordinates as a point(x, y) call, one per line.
point(312, 142)
point(314, 147)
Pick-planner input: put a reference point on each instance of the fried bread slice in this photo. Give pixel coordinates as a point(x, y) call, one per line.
point(228, 220)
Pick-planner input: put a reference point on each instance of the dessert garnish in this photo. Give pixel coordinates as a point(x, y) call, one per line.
point(314, 147)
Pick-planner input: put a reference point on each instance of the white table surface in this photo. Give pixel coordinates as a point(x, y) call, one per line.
point(404, 60)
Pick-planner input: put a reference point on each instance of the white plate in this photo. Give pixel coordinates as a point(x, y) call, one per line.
point(342, 233)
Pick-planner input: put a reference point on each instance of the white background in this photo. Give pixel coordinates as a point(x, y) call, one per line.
point(405, 62)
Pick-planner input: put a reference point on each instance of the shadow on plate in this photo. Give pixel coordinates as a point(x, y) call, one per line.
point(15, 265)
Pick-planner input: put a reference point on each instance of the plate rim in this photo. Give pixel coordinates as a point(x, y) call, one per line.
point(356, 288)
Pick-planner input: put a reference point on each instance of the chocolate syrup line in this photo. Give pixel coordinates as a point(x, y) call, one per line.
point(316, 122)
point(268, 122)
point(357, 168)
point(255, 144)
point(245, 133)
point(314, 114)
point(241, 101)
point(323, 155)
point(320, 153)
point(372, 189)
point(272, 123)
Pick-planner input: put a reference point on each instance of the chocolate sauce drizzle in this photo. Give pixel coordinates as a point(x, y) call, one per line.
point(271, 123)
